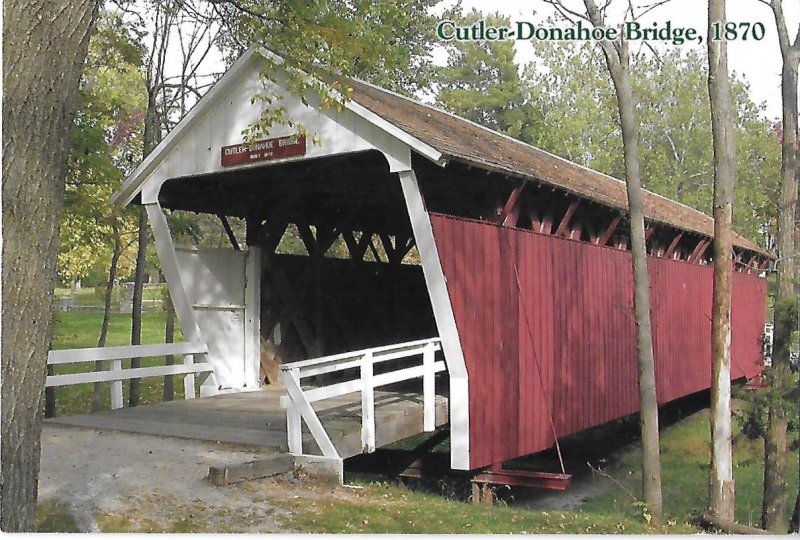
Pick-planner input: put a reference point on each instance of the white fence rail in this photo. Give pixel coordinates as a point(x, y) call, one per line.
point(298, 400)
point(117, 374)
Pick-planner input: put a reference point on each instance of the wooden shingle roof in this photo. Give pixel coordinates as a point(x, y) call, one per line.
point(466, 141)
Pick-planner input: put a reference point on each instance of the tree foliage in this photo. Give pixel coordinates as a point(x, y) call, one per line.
point(105, 138)
point(386, 42)
point(481, 82)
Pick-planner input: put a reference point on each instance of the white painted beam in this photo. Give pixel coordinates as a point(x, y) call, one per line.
point(445, 320)
point(347, 387)
point(252, 317)
point(69, 356)
point(169, 266)
point(302, 406)
point(428, 389)
point(382, 353)
point(367, 405)
point(126, 374)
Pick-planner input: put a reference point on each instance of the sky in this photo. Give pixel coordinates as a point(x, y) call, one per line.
point(759, 62)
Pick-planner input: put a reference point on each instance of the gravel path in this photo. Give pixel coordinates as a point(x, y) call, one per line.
point(142, 482)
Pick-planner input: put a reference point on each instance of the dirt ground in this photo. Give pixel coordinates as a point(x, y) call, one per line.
point(113, 481)
point(143, 483)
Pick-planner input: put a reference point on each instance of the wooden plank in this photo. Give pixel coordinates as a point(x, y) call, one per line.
point(205, 432)
point(376, 351)
point(252, 321)
point(188, 381)
point(367, 405)
point(563, 226)
point(116, 386)
point(673, 245)
point(582, 332)
point(547, 223)
point(373, 249)
point(530, 479)
point(429, 389)
point(384, 379)
point(294, 427)
point(509, 213)
point(255, 419)
point(308, 239)
point(699, 250)
point(91, 354)
point(311, 420)
point(125, 374)
point(444, 317)
point(342, 365)
point(606, 236)
point(252, 470)
point(227, 226)
point(357, 249)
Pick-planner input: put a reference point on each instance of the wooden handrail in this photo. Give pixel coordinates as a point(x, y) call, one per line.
point(127, 374)
point(117, 374)
point(297, 400)
point(376, 351)
point(69, 356)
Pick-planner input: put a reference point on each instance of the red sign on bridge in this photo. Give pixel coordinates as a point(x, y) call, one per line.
point(265, 150)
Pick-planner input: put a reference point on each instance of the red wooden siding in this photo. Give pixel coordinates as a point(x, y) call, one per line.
point(577, 363)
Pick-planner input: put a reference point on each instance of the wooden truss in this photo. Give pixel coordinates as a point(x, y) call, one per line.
point(321, 240)
point(579, 220)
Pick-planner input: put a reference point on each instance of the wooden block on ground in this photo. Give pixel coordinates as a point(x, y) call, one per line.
point(325, 469)
point(252, 470)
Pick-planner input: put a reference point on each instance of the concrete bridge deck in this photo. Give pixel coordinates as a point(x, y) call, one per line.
point(256, 419)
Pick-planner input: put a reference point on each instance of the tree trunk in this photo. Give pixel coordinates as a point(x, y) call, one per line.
point(97, 394)
point(169, 337)
point(618, 61)
point(648, 404)
point(773, 516)
point(721, 485)
point(136, 311)
point(150, 137)
point(729, 527)
point(44, 47)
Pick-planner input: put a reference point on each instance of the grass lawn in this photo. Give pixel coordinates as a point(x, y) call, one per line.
point(382, 507)
point(74, 329)
point(152, 296)
point(54, 517)
point(685, 455)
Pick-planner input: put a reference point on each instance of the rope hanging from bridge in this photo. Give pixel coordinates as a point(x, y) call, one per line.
point(502, 232)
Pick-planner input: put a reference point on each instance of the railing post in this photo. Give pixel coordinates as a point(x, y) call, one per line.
point(116, 386)
point(367, 405)
point(428, 388)
point(294, 427)
point(188, 380)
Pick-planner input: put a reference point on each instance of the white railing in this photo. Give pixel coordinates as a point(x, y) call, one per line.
point(117, 374)
point(298, 400)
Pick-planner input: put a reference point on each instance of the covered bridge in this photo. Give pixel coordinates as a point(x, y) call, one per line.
point(516, 261)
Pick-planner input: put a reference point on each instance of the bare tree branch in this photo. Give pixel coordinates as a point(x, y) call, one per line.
point(650, 7)
point(565, 12)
